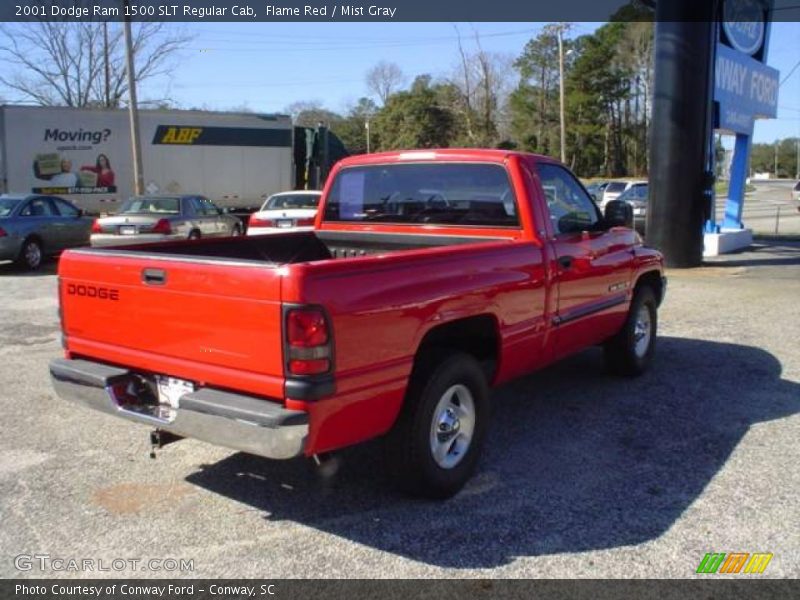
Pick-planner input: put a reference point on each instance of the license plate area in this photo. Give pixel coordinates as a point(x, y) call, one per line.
point(170, 390)
point(284, 223)
point(127, 230)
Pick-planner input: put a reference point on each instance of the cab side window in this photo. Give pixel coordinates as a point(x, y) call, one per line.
point(571, 208)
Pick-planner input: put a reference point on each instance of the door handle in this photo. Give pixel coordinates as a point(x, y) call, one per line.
point(154, 276)
point(565, 262)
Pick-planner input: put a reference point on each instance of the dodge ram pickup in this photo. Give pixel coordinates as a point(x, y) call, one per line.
point(429, 277)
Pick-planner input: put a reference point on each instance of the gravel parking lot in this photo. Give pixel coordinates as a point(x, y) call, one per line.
point(585, 475)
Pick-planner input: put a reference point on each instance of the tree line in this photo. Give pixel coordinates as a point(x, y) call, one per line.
point(489, 100)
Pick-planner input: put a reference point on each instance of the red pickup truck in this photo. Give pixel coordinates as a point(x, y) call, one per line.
point(429, 277)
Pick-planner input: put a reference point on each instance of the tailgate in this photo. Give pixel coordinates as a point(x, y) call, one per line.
point(212, 323)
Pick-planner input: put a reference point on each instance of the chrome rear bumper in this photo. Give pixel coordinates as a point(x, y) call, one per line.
point(227, 419)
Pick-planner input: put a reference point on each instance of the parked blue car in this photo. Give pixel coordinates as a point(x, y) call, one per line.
point(35, 226)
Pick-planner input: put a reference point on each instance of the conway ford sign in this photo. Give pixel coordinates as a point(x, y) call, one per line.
point(744, 24)
point(745, 88)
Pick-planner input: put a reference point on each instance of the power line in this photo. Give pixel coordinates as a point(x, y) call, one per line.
point(791, 72)
point(348, 44)
point(365, 40)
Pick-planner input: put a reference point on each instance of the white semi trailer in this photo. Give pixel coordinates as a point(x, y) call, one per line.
point(85, 155)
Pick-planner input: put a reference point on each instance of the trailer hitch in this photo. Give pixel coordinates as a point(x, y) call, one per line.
point(160, 438)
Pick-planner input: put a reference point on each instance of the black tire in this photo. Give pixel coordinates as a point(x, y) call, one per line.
point(31, 255)
point(409, 445)
point(194, 234)
point(623, 353)
point(237, 231)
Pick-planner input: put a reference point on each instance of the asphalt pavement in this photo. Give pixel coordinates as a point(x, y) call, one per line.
point(585, 474)
point(769, 209)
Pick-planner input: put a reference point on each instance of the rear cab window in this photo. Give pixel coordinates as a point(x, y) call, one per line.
point(460, 194)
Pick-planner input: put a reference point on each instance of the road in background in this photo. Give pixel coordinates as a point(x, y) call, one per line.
point(770, 209)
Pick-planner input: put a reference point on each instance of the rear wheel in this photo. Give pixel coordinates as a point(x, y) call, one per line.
point(435, 445)
point(194, 234)
point(631, 351)
point(237, 231)
point(30, 255)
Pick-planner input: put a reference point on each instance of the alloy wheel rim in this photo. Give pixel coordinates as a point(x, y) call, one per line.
point(642, 331)
point(33, 255)
point(453, 426)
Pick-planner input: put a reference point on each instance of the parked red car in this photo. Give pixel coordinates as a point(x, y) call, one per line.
point(430, 276)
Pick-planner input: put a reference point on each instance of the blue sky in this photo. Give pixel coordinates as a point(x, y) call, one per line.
point(267, 66)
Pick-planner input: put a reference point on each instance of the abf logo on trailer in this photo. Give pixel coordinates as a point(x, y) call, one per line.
point(180, 135)
point(719, 562)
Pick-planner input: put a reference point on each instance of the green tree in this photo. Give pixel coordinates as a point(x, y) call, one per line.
point(352, 129)
point(416, 119)
point(533, 105)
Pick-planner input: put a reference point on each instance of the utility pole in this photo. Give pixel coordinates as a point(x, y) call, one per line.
point(133, 109)
point(563, 136)
point(366, 126)
point(106, 65)
point(558, 29)
point(797, 156)
point(776, 159)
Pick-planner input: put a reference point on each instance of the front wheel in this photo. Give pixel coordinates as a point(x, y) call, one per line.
point(435, 445)
point(631, 351)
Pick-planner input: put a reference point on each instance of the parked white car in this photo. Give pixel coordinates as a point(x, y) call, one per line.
point(286, 210)
point(615, 188)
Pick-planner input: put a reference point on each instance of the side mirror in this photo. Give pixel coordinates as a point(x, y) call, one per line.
point(618, 214)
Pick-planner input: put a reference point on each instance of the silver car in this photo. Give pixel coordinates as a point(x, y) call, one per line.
point(144, 219)
point(636, 196)
point(34, 226)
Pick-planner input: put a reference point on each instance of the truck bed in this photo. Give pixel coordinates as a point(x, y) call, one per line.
point(292, 248)
point(210, 311)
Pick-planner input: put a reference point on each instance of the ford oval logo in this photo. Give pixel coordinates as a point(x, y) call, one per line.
point(743, 22)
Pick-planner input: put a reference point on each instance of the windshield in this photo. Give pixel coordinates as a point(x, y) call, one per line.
point(434, 193)
point(161, 206)
point(287, 201)
point(615, 187)
point(7, 205)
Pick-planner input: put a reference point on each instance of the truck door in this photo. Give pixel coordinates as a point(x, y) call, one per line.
point(592, 264)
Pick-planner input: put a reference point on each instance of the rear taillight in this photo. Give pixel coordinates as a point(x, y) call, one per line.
point(162, 226)
point(305, 222)
point(256, 221)
point(3, 232)
point(308, 342)
point(96, 227)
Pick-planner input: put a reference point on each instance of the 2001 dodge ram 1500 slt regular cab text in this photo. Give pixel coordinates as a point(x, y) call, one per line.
point(429, 277)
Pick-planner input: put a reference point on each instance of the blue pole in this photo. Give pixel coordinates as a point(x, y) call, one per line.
point(735, 203)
